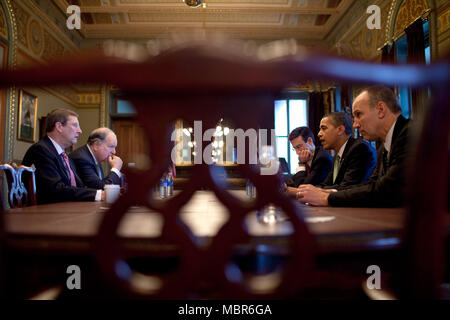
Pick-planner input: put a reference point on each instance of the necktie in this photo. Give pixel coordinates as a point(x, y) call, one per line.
point(72, 176)
point(99, 171)
point(337, 160)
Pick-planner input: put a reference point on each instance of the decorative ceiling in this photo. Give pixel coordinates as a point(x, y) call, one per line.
point(265, 20)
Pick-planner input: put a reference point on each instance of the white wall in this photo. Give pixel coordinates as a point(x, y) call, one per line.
point(89, 120)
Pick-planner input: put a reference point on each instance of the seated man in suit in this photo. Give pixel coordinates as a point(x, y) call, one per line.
point(101, 146)
point(315, 163)
point(377, 115)
point(56, 177)
point(355, 159)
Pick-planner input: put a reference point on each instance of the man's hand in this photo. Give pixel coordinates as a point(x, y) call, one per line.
point(115, 162)
point(291, 191)
point(103, 195)
point(312, 195)
point(305, 155)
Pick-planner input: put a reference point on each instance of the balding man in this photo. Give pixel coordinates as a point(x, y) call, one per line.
point(101, 146)
point(377, 115)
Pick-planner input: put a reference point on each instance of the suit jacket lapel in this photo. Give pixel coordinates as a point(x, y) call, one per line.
point(316, 152)
point(349, 144)
point(401, 122)
point(92, 161)
point(59, 160)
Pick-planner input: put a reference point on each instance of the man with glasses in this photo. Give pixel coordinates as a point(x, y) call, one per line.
point(314, 162)
point(100, 147)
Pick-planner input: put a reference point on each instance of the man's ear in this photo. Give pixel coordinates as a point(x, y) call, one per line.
point(58, 126)
point(95, 145)
point(309, 141)
point(381, 108)
point(341, 129)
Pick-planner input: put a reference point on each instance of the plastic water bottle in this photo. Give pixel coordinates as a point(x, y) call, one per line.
point(253, 191)
point(163, 187)
point(169, 184)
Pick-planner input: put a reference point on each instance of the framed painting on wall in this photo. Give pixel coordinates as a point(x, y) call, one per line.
point(27, 116)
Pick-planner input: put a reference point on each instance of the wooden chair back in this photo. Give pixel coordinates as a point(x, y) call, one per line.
point(21, 185)
point(426, 239)
point(207, 81)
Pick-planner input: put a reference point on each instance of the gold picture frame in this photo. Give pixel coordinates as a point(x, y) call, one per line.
point(26, 128)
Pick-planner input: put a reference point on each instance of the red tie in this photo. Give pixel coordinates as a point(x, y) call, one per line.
point(72, 176)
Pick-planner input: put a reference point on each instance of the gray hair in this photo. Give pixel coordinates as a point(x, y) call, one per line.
point(99, 135)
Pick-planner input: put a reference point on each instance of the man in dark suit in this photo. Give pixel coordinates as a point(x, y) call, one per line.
point(355, 159)
point(377, 115)
point(101, 146)
point(314, 162)
point(56, 176)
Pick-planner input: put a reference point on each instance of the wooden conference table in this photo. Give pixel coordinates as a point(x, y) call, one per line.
point(73, 225)
point(43, 240)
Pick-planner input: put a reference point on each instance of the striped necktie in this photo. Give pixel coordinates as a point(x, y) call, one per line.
point(72, 176)
point(337, 159)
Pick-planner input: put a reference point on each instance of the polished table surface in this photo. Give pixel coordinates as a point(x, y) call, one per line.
point(73, 225)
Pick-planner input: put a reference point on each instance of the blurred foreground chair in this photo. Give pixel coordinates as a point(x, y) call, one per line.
point(21, 185)
point(423, 270)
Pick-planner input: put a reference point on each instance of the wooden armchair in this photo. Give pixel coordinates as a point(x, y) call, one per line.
point(21, 185)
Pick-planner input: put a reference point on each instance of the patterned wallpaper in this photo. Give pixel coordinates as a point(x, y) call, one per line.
point(34, 39)
point(409, 11)
point(38, 43)
point(443, 24)
point(354, 40)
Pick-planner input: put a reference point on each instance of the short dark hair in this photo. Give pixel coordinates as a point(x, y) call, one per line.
point(58, 115)
point(98, 134)
point(305, 132)
point(381, 93)
point(340, 119)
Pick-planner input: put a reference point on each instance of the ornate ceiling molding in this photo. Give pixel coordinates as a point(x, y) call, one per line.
point(266, 20)
point(161, 9)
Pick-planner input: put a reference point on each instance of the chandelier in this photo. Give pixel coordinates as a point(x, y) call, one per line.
point(195, 3)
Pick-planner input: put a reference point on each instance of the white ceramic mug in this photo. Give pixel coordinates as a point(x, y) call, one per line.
point(112, 192)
